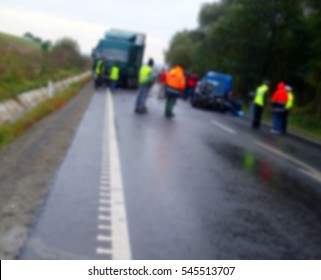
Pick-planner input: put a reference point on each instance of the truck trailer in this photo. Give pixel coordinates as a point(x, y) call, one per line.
point(124, 49)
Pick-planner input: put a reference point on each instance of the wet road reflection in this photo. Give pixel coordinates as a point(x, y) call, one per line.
point(192, 190)
point(195, 192)
point(272, 205)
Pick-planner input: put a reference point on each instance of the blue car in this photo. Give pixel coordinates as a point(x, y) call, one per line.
point(214, 92)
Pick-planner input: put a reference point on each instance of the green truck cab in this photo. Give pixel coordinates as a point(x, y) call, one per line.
point(126, 50)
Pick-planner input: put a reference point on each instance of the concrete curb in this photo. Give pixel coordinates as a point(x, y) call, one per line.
point(13, 108)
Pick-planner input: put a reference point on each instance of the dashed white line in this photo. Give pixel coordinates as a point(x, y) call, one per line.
point(103, 251)
point(111, 198)
point(104, 209)
point(104, 227)
point(104, 194)
point(104, 218)
point(104, 238)
point(230, 130)
point(104, 201)
point(121, 245)
point(105, 179)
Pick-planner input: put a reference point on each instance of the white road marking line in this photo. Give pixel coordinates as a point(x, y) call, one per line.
point(104, 218)
point(120, 239)
point(223, 127)
point(104, 238)
point(107, 192)
point(104, 184)
point(305, 168)
point(104, 194)
point(313, 175)
point(103, 251)
point(104, 209)
point(105, 180)
point(104, 201)
point(116, 189)
point(119, 202)
point(104, 227)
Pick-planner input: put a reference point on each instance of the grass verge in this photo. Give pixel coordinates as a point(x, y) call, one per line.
point(305, 124)
point(16, 86)
point(11, 131)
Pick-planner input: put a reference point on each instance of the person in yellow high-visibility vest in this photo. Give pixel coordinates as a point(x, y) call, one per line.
point(114, 77)
point(99, 71)
point(259, 100)
point(288, 107)
point(145, 81)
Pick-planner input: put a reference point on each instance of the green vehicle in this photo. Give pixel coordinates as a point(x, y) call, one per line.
point(125, 49)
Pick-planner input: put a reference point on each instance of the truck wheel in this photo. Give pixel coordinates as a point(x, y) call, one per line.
point(135, 83)
point(129, 83)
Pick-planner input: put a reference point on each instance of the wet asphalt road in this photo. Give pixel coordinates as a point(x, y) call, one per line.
point(199, 186)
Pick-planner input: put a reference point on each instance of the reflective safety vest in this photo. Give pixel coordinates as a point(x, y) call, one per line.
point(259, 96)
point(99, 67)
point(145, 74)
point(175, 78)
point(290, 102)
point(114, 74)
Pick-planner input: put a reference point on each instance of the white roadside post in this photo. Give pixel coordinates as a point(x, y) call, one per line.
point(50, 89)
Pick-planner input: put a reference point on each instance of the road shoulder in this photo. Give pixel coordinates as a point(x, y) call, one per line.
point(28, 165)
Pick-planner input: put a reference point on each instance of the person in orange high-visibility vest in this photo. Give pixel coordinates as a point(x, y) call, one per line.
point(175, 86)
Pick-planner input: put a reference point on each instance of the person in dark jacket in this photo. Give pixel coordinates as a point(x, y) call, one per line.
point(190, 86)
point(259, 101)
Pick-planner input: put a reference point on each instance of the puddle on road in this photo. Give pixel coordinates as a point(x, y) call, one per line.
point(272, 176)
point(270, 210)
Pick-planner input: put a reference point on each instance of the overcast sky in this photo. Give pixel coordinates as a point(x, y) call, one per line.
point(87, 20)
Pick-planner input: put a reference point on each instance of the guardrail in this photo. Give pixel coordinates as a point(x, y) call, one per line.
point(12, 108)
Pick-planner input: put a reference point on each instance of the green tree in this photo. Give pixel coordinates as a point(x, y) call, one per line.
point(313, 65)
point(255, 40)
point(66, 53)
point(46, 45)
point(181, 51)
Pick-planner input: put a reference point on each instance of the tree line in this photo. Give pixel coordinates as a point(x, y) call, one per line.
point(279, 40)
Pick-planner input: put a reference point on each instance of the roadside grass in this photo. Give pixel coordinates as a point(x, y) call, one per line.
point(24, 66)
point(306, 124)
point(14, 40)
point(23, 73)
point(11, 131)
